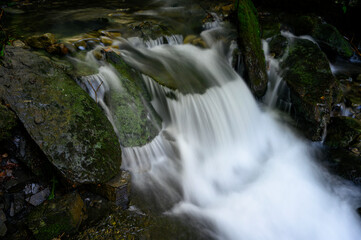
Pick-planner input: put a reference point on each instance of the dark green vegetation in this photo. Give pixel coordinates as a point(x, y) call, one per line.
point(62, 119)
point(250, 45)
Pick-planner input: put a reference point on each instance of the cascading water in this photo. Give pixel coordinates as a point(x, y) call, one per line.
point(222, 159)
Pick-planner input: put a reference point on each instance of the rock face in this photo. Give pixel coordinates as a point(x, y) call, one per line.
point(313, 87)
point(250, 44)
point(51, 219)
point(63, 120)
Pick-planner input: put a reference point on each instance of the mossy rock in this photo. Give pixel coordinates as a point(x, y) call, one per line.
point(278, 45)
point(55, 217)
point(330, 36)
point(134, 117)
point(251, 48)
point(342, 131)
point(63, 120)
point(41, 41)
point(8, 122)
point(313, 87)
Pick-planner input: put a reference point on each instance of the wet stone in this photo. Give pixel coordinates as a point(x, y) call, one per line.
point(116, 190)
point(39, 197)
point(19, 43)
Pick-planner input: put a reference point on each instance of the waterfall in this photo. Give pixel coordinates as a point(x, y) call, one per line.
point(221, 158)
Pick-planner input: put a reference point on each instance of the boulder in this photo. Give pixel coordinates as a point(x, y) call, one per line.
point(312, 85)
point(62, 119)
point(250, 45)
point(55, 217)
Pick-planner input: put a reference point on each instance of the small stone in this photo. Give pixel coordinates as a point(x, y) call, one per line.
point(116, 190)
point(97, 54)
point(38, 118)
point(355, 151)
point(39, 197)
point(19, 43)
point(81, 45)
point(189, 39)
point(106, 41)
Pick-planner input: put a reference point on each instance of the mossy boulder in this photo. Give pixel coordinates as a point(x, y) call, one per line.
point(55, 217)
point(8, 122)
point(134, 117)
point(250, 45)
point(312, 85)
point(278, 45)
point(342, 132)
point(328, 35)
point(63, 120)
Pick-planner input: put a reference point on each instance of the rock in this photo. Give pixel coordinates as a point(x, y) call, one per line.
point(19, 43)
point(8, 122)
point(3, 228)
point(196, 41)
point(117, 190)
point(278, 45)
point(54, 217)
point(58, 48)
point(328, 35)
point(41, 41)
point(342, 131)
point(313, 87)
point(134, 117)
point(250, 45)
point(75, 135)
point(38, 198)
point(106, 41)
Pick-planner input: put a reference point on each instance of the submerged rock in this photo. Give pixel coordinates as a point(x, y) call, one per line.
point(134, 117)
point(313, 87)
point(250, 45)
point(54, 217)
point(63, 120)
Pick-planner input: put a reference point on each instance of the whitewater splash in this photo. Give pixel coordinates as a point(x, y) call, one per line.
point(221, 158)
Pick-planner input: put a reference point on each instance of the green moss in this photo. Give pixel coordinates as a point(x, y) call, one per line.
point(249, 34)
point(330, 36)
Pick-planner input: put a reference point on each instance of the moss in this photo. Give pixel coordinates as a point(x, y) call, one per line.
point(52, 218)
point(131, 108)
point(330, 36)
point(63, 120)
point(249, 35)
point(313, 87)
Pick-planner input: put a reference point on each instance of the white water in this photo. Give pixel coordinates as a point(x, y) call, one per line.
point(220, 158)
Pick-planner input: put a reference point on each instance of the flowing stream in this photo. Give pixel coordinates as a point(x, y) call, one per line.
point(222, 159)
